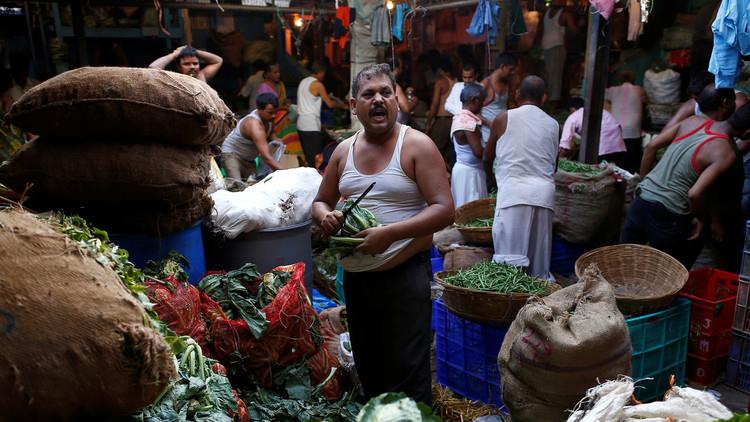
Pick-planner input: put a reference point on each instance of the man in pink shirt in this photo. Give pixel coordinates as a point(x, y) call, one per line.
point(611, 144)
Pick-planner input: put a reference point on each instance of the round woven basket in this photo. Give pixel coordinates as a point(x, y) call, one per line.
point(486, 307)
point(645, 279)
point(481, 208)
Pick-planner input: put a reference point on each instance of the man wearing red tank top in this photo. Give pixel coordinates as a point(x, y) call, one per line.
point(387, 280)
point(670, 210)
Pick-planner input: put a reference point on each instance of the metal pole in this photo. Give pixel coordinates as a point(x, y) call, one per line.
point(451, 5)
point(30, 34)
point(597, 56)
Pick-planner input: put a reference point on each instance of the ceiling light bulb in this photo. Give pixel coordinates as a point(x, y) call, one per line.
point(389, 5)
point(298, 22)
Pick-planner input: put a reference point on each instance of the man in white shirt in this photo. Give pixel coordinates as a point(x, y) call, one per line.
point(524, 140)
point(453, 103)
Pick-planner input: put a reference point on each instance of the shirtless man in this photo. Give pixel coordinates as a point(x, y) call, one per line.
point(438, 119)
point(387, 279)
point(187, 62)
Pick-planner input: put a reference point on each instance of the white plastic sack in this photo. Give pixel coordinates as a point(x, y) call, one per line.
point(346, 357)
point(283, 198)
point(662, 87)
point(217, 179)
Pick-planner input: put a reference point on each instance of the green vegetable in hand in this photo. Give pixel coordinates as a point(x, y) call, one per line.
point(357, 219)
point(499, 278)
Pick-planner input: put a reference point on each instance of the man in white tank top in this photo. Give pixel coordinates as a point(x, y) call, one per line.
point(387, 280)
point(311, 93)
point(525, 142)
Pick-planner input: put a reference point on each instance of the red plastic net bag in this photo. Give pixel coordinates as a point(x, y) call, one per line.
point(178, 305)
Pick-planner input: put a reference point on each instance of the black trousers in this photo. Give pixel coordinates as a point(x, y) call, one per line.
point(389, 324)
point(312, 145)
point(652, 223)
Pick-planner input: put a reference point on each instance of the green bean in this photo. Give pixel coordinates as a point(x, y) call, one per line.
point(478, 222)
point(576, 167)
point(500, 278)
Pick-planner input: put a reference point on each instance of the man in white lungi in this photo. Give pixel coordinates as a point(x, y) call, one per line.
point(525, 142)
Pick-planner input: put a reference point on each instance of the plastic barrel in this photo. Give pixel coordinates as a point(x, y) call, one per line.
point(188, 242)
point(267, 249)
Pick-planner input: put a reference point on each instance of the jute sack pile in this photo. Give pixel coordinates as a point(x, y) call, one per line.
point(74, 344)
point(561, 345)
point(120, 138)
point(140, 104)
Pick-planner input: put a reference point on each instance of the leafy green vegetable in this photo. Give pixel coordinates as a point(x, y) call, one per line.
point(197, 394)
point(395, 407)
point(576, 167)
point(267, 406)
point(479, 222)
point(500, 278)
point(357, 219)
point(235, 299)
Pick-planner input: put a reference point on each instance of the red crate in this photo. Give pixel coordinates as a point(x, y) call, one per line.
point(704, 372)
point(713, 294)
point(709, 346)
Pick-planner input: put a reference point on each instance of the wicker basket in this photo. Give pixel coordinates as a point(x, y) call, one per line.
point(481, 208)
point(486, 307)
point(645, 279)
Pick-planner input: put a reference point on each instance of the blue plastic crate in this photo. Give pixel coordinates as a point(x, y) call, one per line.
point(660, 343)
point(466, 355)
point(738, 365)
point(564, 256)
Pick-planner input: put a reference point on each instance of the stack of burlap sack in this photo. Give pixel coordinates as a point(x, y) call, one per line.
point(129, 147)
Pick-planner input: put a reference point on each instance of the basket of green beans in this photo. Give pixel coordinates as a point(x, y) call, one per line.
point(490, 293)
point(474, 221)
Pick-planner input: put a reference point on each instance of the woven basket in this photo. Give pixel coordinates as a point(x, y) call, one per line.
point(481, 208)
point(645, 279)
point(486, 307)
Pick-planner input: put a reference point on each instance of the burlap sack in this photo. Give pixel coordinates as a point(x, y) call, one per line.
point(72, 341)
point(156, 219)
point(582, 203)
point(108, 172)
point(561, 345)
point(131, 103)
point(465, 256)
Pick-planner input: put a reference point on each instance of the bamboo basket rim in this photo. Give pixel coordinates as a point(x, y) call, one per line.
point(681, 274)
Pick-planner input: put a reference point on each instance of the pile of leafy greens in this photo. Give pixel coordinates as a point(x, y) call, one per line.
point(243, 293)
point(294, 399)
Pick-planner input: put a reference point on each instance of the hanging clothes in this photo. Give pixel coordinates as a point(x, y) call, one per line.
point(731, 40)
point(485, 20)
point(381, 31)
point(605, 7)
point(398, 21)
point(635, 24)
point(341, 26)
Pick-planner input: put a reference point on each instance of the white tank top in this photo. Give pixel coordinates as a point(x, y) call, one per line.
point(235, 142)
point(554, 33)
point(308, 107)
point(394, 198)
point(526, 156)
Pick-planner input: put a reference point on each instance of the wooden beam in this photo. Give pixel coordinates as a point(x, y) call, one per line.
point(502, 27)
point(187, 27)
point(79, 32)
point(597, 56)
